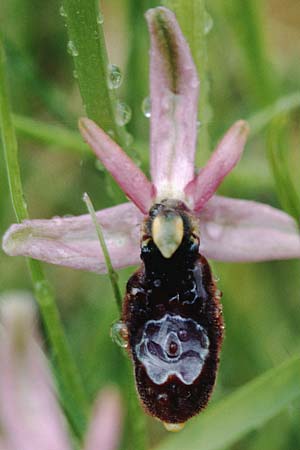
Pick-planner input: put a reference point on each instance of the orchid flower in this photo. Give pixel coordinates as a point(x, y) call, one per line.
point(230, 229)
point(30, 415)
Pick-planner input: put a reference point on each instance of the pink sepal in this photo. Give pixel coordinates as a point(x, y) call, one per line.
point(222, 161)
point(245, 231)
point(130, 178)
point(73, 242)
point(174, 88)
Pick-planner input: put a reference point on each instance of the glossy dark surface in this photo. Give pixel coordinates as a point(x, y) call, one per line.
point(181, 286)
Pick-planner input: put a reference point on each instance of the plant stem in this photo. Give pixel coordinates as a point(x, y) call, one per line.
point(67, 370)
point(87, 46)
point(113, 276)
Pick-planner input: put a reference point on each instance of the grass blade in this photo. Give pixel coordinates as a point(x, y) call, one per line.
point(248, 408)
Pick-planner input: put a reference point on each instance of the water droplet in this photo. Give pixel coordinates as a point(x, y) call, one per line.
point(99, 166)
point(123, 114)
point(72, 49)
point(75, 74)
point(119, 334)
point(135, 156)
point(114, 76)
point(62, 11)
point(111, 133)
point(146, 107)
point(100, 18)
point(208, 22)
point(198, 125)
point(128, 139)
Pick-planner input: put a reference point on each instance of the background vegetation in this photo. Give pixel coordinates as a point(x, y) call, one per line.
point(251, 70)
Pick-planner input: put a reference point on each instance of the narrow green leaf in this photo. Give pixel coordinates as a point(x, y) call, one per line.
point(10, 145)
point(246, 22)
point(248, 408)
point(43, 293)
point(278, 152)
point(262, 118)
point(87, 46)
point(51, 135)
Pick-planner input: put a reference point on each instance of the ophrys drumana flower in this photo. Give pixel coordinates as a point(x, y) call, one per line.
point(184, 211)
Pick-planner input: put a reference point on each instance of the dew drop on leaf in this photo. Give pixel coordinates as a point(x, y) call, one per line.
point(114, 76)
point(100, 18)
point(123, 113)
point(72, 49)
point(128, 139)
point(119, 334)
point(146, 107)
point(208, 22)
point(62, 11)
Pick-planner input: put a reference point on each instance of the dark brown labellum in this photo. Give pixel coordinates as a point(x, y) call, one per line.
point(173, 317)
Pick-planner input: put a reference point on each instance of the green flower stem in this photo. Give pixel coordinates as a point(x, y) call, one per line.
point(247, 409)
point(192, 17)
point(52, 135)
point(87, 46)
point(67, 370)
point(10, 146)
point(113, 276)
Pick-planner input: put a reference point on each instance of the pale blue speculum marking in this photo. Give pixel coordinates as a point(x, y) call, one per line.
point(173, 345)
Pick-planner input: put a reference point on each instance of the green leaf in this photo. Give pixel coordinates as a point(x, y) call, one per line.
point(73, 388)
point(278, 151)
point(248, 408)
point(51, 135)
point(246, 22)
point(87, 46)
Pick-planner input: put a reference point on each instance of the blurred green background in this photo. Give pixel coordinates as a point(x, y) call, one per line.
point(253, 60)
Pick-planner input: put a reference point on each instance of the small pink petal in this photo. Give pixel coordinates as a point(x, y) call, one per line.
point(174, 88)
point(129, 177)
point(73, 242)
point(30, 417)
point(222, 161)
point(105, 428)
point(245, 231)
